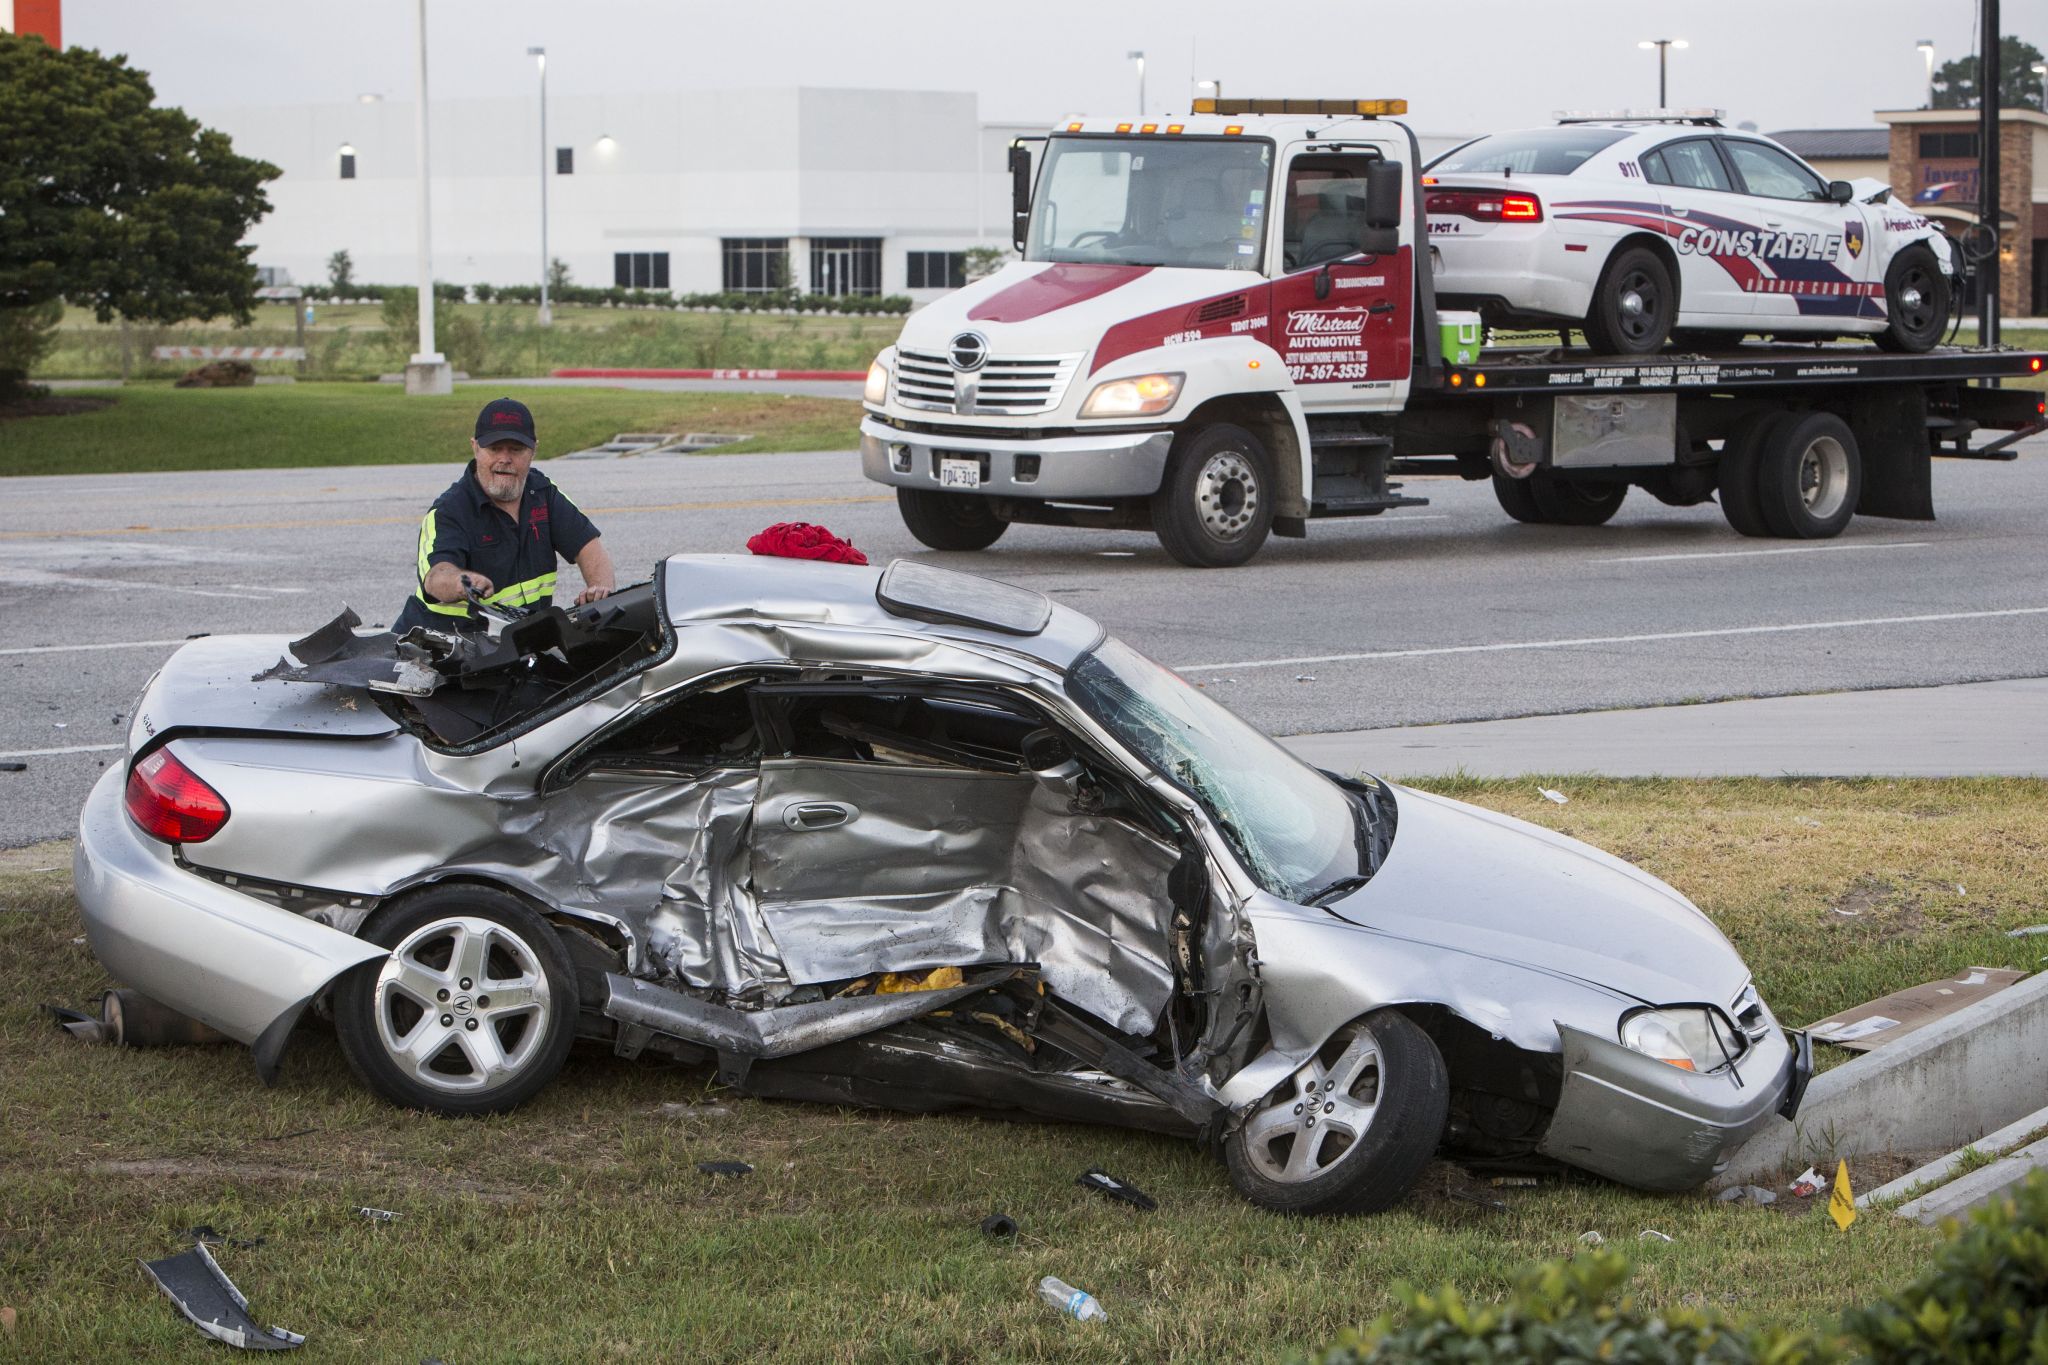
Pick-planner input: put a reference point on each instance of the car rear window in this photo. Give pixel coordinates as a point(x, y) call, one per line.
point(1542, 151)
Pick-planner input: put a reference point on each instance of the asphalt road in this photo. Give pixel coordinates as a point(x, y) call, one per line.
point(1444, 613)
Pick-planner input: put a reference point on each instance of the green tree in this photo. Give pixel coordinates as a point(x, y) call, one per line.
point(2019, 85)
point(110, 203)
point(341, 273)
point(983, 261)
point(558, 275)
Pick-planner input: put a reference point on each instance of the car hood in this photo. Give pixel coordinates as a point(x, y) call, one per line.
point(1032, 308)
point(1474, 881)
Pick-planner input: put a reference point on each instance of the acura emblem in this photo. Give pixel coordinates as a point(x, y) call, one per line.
point(968, 351)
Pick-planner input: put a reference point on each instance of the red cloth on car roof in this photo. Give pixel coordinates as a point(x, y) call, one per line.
point(801, 540)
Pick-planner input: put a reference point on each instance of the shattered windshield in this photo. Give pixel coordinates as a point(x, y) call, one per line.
point(1294, 830)
point(1197, 202)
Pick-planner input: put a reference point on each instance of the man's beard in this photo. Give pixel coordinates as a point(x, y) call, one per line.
point(501, 487)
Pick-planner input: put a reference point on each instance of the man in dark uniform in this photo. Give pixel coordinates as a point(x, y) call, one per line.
point(498, 529)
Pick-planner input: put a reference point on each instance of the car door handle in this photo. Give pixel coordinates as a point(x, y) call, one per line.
point(1773, 222)
point(807, 815)
point(1679, 213)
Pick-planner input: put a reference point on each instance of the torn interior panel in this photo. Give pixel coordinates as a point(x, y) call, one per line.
point(200, 1289)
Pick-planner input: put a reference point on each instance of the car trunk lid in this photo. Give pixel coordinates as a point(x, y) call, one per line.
point(211, 685)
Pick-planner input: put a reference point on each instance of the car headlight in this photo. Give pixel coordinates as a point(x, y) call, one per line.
point(1139, 397)
point(1691, 1038)
point(877, 390)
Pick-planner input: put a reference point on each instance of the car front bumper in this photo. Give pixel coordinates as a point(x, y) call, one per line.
point(226, 959)
point(1111, 464)
point(1648, 1124)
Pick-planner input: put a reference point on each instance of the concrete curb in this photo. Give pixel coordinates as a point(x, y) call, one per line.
point(1938, 1172)
point(1945, 1085)
point(1979, 1187)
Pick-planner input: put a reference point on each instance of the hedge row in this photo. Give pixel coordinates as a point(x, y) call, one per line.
point(780, 300)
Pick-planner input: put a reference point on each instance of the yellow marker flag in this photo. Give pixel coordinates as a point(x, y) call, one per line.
point(1842, 1203)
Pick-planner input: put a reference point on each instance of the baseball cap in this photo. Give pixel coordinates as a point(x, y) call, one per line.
point(505, 419)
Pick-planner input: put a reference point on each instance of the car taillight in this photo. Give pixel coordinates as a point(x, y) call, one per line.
point(170, 803)
point(1485, 206)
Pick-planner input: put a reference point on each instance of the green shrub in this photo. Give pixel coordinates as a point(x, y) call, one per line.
point(1984, 1298)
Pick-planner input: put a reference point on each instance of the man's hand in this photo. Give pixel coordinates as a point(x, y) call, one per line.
point(593, 594)
point(594, 562)
point(451, 583)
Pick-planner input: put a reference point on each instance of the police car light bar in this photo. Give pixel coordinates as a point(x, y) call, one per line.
point(1351, 108)
point(1709, 118)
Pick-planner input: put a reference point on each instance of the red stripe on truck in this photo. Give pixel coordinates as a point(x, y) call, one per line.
point(709, 374)
point(1055, 287)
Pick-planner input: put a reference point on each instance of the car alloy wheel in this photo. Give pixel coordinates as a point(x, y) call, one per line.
point(1332, 1106)
point(462, 1004)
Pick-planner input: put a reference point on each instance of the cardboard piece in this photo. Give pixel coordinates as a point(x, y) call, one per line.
point(1888, 1018)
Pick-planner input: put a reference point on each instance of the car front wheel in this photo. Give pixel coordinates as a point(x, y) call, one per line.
point(1350, 1131)
point(1916, 302)
point(473, 1011)
point(950, 521)
point(1216, 505)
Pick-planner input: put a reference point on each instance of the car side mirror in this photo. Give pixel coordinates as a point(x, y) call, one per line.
point(1840, 191)
point(1383, 182)
point(1053, 763)
point(1020, 193)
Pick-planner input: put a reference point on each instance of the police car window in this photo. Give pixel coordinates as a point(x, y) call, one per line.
point(1541, 151)
point(1771, 173)
point(1692, 165)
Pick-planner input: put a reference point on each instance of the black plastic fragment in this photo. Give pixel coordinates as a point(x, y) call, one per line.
point(1102, 1182)
point(725, 1168)
point(205, 1234)
point(194, 1282)
point(13, 767)
point(999, 1225)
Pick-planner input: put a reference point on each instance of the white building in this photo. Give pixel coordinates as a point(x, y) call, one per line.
point(859, 191)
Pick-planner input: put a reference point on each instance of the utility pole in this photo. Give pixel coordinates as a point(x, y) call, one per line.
point(428, 372)
point(1988, 78)
point(540, 54)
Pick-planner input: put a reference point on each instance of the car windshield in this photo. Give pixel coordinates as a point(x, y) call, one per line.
point(1294, 830)
point(1541, 151)
point(1152, 201)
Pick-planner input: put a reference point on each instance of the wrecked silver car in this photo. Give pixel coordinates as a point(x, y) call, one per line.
point(908, 839)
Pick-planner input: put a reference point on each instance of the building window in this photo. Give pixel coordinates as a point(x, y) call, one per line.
point(937, 269)
point(755, 265)
point(846, 265)
point(1956, 146)
point(565, 161)
point(348, 165)
point(640, 269)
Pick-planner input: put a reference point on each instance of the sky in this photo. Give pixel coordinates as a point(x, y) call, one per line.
point(1463, 65)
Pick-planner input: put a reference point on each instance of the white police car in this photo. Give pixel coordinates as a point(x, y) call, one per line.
point(1632, 226)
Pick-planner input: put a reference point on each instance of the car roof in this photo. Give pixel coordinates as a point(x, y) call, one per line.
point(725, 589)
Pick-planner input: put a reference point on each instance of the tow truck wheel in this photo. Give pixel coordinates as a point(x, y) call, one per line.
point(1570, 502)
point(1516, 499)
point(1634, 304)
point(1809, 476)
point(1741, 460)
point(1216, 506)
point(1916, 302)
point(950, 521)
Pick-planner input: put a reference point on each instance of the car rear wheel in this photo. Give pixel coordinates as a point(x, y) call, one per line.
point(1350, 1131)
point(1216, 506)
point(1741, 458)
point(1809, 476)
point(950, 521)
point(474, 1010)
point(1916, 302)
point(1634, 304)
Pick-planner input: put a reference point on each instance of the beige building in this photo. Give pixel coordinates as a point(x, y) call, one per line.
point(1841, 153)
point(1933, 167)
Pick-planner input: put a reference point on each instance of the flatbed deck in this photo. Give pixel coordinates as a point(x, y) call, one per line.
point(1554, 370)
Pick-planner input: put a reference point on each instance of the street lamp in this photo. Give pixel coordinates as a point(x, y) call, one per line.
point(1926, 47)
point(427, 372)
point(540, 55)
point(1663, 46)
point(2040, 69)
point(1139, 58)
point(1209, 90)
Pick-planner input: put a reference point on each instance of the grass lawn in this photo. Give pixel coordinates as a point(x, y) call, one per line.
point(160, 428)
point(579, 1227)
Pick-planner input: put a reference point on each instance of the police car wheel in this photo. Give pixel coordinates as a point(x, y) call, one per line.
point(950, 521)
point(1634, 304)
point(1215, 508)
point(1570, 502)
point(1741, 456)
point(1916, 302)
point(1809, 476)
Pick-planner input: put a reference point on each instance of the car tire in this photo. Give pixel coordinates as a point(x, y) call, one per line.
point(1350, 1131)
point(1516, 498)
point(1741, 457)
point(1916, 302)
point(1215, 508)
point(1809, 475)
point(471, 1013)
point(1572, 502)
point(1634, 304)
point(950, 521)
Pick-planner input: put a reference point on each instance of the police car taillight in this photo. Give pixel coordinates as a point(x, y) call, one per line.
point(1485, 206)
point(169, 801)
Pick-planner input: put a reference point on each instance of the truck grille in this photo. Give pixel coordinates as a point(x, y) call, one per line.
point(1003, 384)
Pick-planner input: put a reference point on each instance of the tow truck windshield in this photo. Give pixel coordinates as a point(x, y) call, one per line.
point(1198, 202)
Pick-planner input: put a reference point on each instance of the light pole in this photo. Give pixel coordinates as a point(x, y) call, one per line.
point(2040, 69)
point(1209, 90)
point(1139, 58)
point(428, 371)
point(1926, 47)
point(1663, 46)
point(540, 55)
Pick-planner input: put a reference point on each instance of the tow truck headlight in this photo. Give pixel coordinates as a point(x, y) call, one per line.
point(877, 390)
point(1140, 397)
point(1691, 1038)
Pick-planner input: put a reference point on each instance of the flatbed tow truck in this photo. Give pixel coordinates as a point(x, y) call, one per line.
point(1218, 332)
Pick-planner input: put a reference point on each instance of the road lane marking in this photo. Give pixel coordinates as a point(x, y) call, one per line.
point(74, 749)
point(731, 505)
point(73, 649)
point(1750, 554)
point(1514, 645)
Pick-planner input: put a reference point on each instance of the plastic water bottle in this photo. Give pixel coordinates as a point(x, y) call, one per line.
point(1075, 1303)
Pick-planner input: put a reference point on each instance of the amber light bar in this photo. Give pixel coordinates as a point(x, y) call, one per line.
point(1366, 108)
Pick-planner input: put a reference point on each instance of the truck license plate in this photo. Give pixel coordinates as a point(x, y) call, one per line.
point(959, 473)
